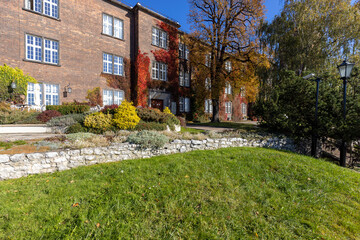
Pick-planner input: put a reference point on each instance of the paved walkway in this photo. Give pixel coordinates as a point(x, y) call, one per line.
point(25, 136)
point(218, 129)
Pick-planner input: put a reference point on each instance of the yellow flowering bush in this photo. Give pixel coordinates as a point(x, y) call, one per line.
point(125, 116)
point(98, 120)
point(167, 110)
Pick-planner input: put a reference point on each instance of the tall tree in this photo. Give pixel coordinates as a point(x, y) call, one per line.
point(227, 28)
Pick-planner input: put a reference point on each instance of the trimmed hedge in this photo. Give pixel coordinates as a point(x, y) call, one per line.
point(69, 109)
point(155, 115)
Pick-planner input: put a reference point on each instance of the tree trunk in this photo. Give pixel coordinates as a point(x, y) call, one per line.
point(216, 111)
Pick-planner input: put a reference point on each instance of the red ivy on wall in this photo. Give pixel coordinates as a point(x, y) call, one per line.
point(143, 76)
point(171, 58)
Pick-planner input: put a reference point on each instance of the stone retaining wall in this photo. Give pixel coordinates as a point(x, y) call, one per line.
point(20, 165)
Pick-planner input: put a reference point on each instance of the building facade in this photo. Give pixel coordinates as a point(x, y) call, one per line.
point(66, 44)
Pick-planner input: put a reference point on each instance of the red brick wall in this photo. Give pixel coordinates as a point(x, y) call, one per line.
point(81, 42)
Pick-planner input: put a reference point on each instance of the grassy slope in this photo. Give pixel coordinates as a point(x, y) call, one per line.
point(239, 193)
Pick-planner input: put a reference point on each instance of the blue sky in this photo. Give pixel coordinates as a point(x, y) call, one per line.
point(179, 9)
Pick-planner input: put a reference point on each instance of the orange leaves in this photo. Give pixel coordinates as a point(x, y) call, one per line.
point(143, 77)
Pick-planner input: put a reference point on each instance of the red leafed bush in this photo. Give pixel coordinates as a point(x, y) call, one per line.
point(48, 115)
point(110, 109)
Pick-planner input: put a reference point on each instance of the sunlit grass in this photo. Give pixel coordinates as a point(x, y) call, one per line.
point(235, 193)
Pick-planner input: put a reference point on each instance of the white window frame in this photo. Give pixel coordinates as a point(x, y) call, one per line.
point(244, 109)
point(228, 107)
point(181, 50)
point(111, 65)
point(159, 71)
point(228, 89)
point(207, 83)
point(51, 94)
point(208, 60)
point(111, 97)
point(159, 38)
point(52, 50)
point(30, 98)
point(41, 6)
point(242, 92)
point(113, 26)
point(181, 78)
point(181, 104)
point(228, 66)
point(37, 45)
point(208, 106)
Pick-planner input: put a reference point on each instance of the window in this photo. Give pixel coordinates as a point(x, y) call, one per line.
point(31, 94)
point(184, 104)
point(181, 78)
point(228, 88)
point(113, 64)
point(159, 71)
point(37, 47)
point(207, 83)
point(228, 107)
point(187, 79)
point(208, 106)
point(112, 97)
point(243, 92)
point(183, 51)
point(47, 7)
point(51, 94)
point(243, 109)
point(159, 38)
point(187, 104)
point(208, 60)
point(228, 66)
point(35, 94)
point(113, 26)
point(184, 78)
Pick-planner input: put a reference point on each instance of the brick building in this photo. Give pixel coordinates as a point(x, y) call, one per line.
point(68, 44)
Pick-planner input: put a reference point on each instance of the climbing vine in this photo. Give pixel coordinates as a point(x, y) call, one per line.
point(170, 56)
point(143, 78)
point(120, 82)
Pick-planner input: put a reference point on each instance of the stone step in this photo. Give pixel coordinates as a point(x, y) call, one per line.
point(31, 128)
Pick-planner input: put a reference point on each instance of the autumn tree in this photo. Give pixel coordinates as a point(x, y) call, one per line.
point(225, 30)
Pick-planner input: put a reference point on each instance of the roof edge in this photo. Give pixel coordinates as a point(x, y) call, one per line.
point(117, 2)
point(156, 14)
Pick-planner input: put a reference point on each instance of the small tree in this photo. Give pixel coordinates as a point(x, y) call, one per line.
point(94, 96)
point(9, 75)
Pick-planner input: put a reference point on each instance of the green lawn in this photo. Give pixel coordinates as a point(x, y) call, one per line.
point(191, 130)
point(237, 193)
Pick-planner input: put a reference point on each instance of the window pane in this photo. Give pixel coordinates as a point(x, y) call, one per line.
point(51, 8)
point(118, 28)
point(107, 25)
point(107, 63)
point(118, 66)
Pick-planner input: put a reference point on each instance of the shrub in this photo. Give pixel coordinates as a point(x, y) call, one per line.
point(76, 128)
point(69, 108)
point(94, 97)
point(150, 126)
point(18, 116)
point(155, 115)
point(47, 115)
point(182, 121)
point(148, 139)
point(125, 116)
point(50, 144)
point(79, 136)
point(149, 114)
point(98, 120)
point(9, 75)
point(67, 120)
point(167, 110)
point(110, 109)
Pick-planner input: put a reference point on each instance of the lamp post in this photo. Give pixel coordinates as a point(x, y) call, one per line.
point(345, 69)
point(12, 88)
point(314, 136)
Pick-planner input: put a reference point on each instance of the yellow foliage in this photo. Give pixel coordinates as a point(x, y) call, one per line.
point(167, 110)
point(98, 120)
point(125, 116)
